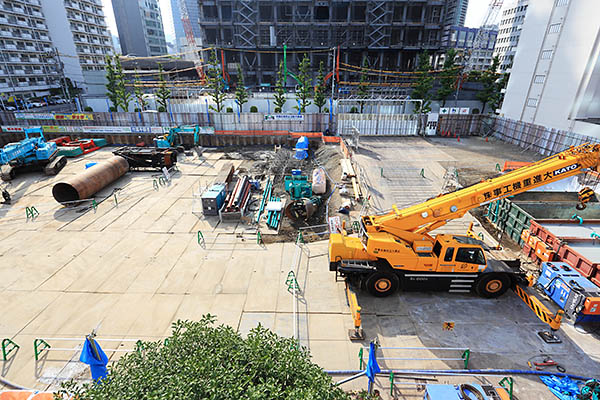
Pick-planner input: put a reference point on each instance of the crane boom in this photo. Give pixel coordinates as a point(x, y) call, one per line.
point(431, 214)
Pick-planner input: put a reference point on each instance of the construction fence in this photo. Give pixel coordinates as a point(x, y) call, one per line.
point(219, 121)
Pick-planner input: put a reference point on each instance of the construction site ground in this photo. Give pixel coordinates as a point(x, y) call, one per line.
point(133, 265)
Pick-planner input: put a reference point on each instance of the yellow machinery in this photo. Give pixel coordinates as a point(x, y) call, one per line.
point(396, 250)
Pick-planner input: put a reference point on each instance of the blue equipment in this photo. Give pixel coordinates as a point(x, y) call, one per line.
point(213, 199)
point(31, 153)
point(571, 291)
point(464, 392)
point(175, 139)
point(301, 148)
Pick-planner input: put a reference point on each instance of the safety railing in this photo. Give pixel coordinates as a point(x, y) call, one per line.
point(8, 346)
point(212, 241)
point(41, 345)
point(465, 354)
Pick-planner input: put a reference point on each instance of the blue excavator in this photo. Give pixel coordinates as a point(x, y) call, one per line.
point(30, 154)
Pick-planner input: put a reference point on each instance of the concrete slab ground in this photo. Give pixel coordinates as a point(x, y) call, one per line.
point(133, 266)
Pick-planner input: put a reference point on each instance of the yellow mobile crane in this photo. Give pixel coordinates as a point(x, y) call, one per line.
point(396, 250)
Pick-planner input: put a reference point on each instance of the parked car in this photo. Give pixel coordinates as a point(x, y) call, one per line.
point(38, 104)
point(9, 108)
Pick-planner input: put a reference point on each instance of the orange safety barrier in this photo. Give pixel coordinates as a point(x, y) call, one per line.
point(512, 165)
point(332, 139)
point(26, 395)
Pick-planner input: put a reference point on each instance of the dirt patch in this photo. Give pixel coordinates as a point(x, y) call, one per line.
point(260, 162)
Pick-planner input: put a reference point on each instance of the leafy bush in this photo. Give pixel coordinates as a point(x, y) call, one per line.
point(112, 109)
point(277, 109)
point(229, 109)
point(475, 111)
point(136, 109)
point(88, 109)
point(253, 109)
point(203, 361)
point(161, 109)
point(354, 110)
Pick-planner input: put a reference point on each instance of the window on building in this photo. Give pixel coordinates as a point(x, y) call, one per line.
point(359, 13)
point(546, 54)
point(321, 13)
point(340, 12)
point(554, 28)
point(265, 13)
point(539, 79)
point(226, 12)
point(560, 3)
point(531, 102)
point(210, 12)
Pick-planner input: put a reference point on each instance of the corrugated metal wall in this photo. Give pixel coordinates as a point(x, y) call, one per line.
point(378, 124)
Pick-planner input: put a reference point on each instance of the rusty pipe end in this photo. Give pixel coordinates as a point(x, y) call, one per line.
point(65, 193)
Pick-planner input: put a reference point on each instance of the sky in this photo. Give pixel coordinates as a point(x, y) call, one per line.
point(475, 14)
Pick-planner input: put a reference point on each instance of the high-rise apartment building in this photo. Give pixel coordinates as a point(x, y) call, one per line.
point(79, 33)
point(462, 39)
point(389, 33)
point(27, 65)
point(455, 14)
point(512, 17)
point(555, 77)
point(140, 27)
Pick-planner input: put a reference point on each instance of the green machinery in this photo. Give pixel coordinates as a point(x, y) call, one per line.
point(297, 185)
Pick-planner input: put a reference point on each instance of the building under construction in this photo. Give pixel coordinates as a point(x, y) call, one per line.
point(253, 33)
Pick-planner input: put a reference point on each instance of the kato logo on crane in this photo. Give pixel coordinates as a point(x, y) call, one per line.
point(565, 169)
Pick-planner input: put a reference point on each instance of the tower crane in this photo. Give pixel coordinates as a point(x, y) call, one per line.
point(189, 34)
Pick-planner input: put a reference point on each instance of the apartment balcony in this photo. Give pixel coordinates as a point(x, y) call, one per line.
point(41, 26)
point(3, 21)
point(98, 51)
point(6, 34)
point(14, 59)
point(26, 36)
point(81, 40)
point(18, 72)
point(9, 47)
point(37, 14)
point(45, 37)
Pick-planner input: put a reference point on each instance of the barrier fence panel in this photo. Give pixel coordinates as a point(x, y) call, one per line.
point(378, 124)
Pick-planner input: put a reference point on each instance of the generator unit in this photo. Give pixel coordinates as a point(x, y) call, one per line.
point(464, 392)
point(213, 199)
point(571, 291)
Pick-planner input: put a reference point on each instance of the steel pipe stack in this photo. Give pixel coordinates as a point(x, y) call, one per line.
point(91, 181)
point(239, 197)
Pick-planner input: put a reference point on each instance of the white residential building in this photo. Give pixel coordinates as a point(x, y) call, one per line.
point(79, 32)
point(555, 77)
point(512, 17)
point(26, 67)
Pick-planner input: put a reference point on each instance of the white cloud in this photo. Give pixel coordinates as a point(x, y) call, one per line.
point(476, 13)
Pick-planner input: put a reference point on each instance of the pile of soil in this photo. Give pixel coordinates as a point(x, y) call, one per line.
point(261, 162)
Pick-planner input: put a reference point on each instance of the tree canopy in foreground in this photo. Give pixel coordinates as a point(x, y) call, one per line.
point(203, 361)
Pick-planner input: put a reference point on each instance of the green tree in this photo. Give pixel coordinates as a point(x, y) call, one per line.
point(111, 82)
point(215, 82)
point(241, 94)
point(304, 82)
point(280, 90)
point(123, 94)
point(163, 93)
point(319, 97)
point(139, 93)
point(423, 85)
point(363, 89)
point(448, 77)
point(490, 91)
point(203, 361)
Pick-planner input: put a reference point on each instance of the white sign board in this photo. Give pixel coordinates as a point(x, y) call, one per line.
point(464, 111)
point(432, 124)
point(284, 117)
point(444, 110)
point(335, 224)
point(454, 110)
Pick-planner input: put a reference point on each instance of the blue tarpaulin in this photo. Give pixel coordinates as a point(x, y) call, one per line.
point(372, 366)
point(97, 360)
point(563, 388)
point(301, 148)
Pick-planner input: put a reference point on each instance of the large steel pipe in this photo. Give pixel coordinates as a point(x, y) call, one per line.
point(92, 180)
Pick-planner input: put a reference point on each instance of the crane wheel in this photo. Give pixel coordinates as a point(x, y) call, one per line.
point(492, 285)
point(380, 284)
